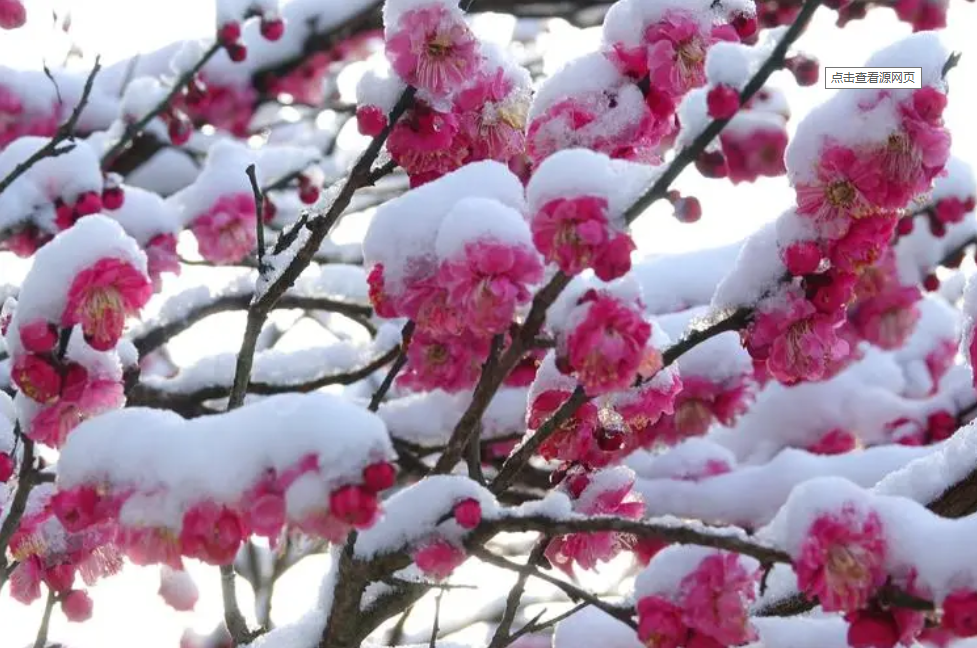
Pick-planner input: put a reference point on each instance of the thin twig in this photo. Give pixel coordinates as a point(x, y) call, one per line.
point(149, 339)
point(147, 395)
point(398, 364)
point(65, 131)
point(501, 637)
point(259, 206)
point(621, 613)
point(25, 482)
point(688, 155)
point(437, 619)
point(44, 628)
point(137, 127)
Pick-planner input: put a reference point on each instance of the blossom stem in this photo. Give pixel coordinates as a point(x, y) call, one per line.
point(42, 631)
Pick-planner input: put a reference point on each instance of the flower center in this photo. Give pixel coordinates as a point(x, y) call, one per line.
point(439, 47)
point(840, 194)
point(693, 417)
point(437, 354)
point(690, 53)
point(101, 302)
point(844, 568)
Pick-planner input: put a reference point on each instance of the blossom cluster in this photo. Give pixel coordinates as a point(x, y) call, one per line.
point(63, 332)
point(695, 597)
point(471, 98)
point(838, 239)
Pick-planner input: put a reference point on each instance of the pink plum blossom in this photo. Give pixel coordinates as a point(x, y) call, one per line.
point(226, 232)
point(575, 233)
point(488, 280)
point(841, 561)
point(606, 346)
point(100, 298)
point(432, 49)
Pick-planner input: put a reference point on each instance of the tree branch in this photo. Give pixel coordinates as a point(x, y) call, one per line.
point(621, 613)
point(686, 156)
point(65, 131)
point(148, 340)
point(136, 128)
point(398, 364)
point(42, 631)
point(149, 396)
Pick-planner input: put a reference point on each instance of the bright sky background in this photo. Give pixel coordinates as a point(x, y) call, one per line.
point(128, 612)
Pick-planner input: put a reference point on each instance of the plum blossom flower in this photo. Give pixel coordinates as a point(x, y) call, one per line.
point(889, 318)
point(177, 589)
point(677, 47)
point(606, 345)
point(575, 234)
point(383, 303)
point(841, 560)
point(36, 378)
point(660, 623)
point(451, 362)
point(492, 116)
point(863, 243)
point(148, 545)
point(488, 280)
point(101, 296)
point(77, 606)
point(574, 436)
point(161, 257)
point(596, 498)
point(264, 507)
point(848, 186)
point(82, 398)
point(433, 49)
point(226, 232)
point(438, 558)
point(425, 143)
point(797, 342)
point(754, 153)
point(211, 533)
point(426, 301)
point(715, 598)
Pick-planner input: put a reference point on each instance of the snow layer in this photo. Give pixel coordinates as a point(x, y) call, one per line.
point(413, 513)
point(404, 231)
point(178, 462)
point(751, 495)
point(44, 291)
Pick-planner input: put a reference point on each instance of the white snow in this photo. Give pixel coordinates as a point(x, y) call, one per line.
point(174, 463)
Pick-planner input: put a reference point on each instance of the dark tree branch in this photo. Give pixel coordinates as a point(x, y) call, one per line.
point(42, 631)
point(259, 206)
point(136, 128)
point(689, 154)
point(398, 364)
point(65, 131)
point(151, 339)
point(148, 396)
point(26, 480)
point(624, 614)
